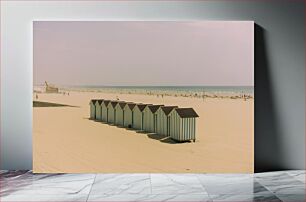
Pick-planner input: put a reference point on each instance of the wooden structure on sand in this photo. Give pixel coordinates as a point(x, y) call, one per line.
point(92, 105)
point(104, 110)
point(150, 118)
point(50, 89)
point(98, 110)
point(120, 115)
point(128, 115)
point(183, 124)
point(138, 116)
point(178, 123)
point(163, 120)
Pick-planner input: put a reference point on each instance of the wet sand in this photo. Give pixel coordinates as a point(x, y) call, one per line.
point(65, 140)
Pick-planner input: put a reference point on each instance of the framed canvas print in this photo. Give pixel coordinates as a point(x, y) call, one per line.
point(143, 97)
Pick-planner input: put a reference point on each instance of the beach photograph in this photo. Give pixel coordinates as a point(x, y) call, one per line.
point(143, 97)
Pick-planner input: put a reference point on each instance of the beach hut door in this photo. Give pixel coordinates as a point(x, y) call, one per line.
point(114, 116)
point(123, 117)
point(168, 125)
point(155, 123)
point(132, 119)
point(107, 115)
point(142, 120)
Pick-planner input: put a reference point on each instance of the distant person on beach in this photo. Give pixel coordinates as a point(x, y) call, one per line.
point(36, 96)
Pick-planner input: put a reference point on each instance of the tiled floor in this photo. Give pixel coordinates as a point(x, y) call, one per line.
point(273, 186)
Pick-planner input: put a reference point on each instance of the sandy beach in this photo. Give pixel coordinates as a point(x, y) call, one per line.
point(65, 140)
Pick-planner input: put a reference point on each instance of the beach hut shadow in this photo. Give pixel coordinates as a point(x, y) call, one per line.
point(139, 131)
point(91, 119)
point(112, 124)
point(95, 120)
point(162, 138)
point(119, 126)
point(169, 140)
point(132, 129)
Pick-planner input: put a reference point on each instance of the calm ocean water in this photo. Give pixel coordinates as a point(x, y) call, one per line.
point(178, 89)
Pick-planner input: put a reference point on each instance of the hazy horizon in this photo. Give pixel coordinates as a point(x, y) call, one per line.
point(139, 53)
point(89, 85)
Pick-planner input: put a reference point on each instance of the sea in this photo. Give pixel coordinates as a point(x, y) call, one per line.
point(191, 90)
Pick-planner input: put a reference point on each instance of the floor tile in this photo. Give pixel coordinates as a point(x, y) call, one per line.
point(176, 184)
point(281, 183)
point(43, 198)
point(240, 184)
point(3, 171)
point(244, 198)
point(151, 197)
point(15, 175)
point(272, 175)
point(47, 184)
point(291, 197)
point(287, 186)
point(121, 184)
point(298, 175)
point(177, 198)
point(115, 198)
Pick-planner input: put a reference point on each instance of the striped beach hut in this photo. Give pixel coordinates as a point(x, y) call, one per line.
point(183, 124)
point(138, 116)
point(111, 111)
point(92, 105)
point(163, 120)
point(104, 110)
point(119, 113)
point(150, 118)
point(128, 115)
point(99, 109)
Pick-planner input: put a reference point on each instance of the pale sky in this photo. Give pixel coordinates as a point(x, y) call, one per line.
point(129, 53)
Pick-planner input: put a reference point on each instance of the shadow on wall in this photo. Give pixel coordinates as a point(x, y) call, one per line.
point(268, 153)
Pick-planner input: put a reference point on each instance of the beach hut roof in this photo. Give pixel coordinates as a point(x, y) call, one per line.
point(122, 104)
point(114, 103)
point(142, 106)
point(100, 101)
point(131, 105)
point(106, 102)
point(154, 108)
point(168, 109)
point(93, 101)
point(186, 112)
